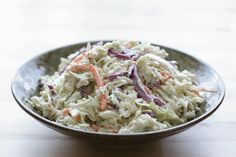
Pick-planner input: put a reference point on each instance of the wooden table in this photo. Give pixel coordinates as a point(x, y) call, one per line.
point(203, 28)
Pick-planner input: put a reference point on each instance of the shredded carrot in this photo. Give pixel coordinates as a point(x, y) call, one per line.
point(95, 127)
point(103, 101)
point(111, 128)
point(79, 68)
point(129, 45)
point(200, 89)
point(65, 111)
point(166, 76)
point(99, 82)
point(96, 75)
point(77, 118)
point(79, 57)
point(134, 62)
point(77, 60)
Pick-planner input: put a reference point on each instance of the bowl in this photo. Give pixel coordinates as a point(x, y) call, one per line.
point(25, 84)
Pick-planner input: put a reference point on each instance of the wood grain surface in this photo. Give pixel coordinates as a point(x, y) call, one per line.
point(203, 28)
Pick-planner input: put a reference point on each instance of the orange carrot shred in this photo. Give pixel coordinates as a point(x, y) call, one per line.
point(96, 76)
point(113, 130)
point(166, 76)
point(103, 101)
point(99, 82)
point(79, 68)
point(95, 127)
point(65, 111)
point(77, 118)
point(129, 45)
point(200, 89)
point(79, 57)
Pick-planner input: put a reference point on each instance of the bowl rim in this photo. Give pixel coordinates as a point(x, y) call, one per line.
point(59, 126)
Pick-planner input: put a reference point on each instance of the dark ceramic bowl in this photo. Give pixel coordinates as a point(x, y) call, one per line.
point(25, 85)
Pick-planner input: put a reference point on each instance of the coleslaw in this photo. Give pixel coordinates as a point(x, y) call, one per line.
point(119, 87)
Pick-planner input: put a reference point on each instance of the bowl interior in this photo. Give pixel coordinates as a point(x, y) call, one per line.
point(25, 85)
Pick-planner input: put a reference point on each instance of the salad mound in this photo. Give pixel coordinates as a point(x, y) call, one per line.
point(119, 87)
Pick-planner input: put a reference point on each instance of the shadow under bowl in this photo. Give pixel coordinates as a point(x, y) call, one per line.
point(25, 84)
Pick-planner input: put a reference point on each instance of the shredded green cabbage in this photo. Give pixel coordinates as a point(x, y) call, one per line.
point(72, 98)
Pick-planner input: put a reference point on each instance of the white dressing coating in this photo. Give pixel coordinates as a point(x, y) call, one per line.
point(72, 98)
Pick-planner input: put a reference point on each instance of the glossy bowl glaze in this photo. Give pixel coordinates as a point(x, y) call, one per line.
point(25, 84)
